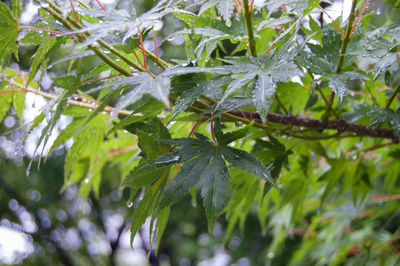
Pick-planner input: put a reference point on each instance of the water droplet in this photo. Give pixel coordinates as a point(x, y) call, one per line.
point(271, 255)
point(129, 204)
point(86, 180)
point(28, 169)
point(355, 157)
point(228, 23)
point(44, 4)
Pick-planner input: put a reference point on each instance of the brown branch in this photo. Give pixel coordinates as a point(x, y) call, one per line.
point(340, 125)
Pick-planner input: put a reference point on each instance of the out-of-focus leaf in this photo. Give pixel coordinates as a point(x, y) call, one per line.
point(88, 139)
point(5, 102)
point(19, 104)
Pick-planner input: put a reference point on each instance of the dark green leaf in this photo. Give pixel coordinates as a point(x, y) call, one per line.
point(187, 177)
point(214, 188)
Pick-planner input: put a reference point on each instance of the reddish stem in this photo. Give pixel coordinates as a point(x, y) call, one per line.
point(73, 11)
point(46, 30)
point(155, 45)
point(237, 9)
point(137, 58)
point(334, 22)
point(194, 128)
point(122, 150)
point(359, 17)
point(12, 91)
point(251, 5)
point(277, 36)
point(144, 54)
point(102, 7)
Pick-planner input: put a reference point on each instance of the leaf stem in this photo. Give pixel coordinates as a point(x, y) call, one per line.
point(359, 16)
point(212, 129)
point(334, 22)
point(280, 103)
point(389, 102)
point(144, 54)
point(249, 27)
point(73, 10)
point(101, 6)
point(321, 93)
point(161, 63)
point(155, 45)
point(346, 40)
point(20, 27)
point(370, 93)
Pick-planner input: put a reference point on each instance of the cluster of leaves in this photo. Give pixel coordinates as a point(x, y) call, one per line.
point(236, 56)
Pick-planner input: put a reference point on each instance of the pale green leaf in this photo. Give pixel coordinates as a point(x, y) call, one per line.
point(39, 57)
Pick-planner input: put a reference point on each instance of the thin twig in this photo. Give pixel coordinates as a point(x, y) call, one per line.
point(212, 129)
point(144, 54)
point(73, 10)
point(334, 22)
point(389, 102)
point(371, 94)
point(161, 63)
point(342, 53)
point(101, 6)
point(318, 87)
point(359, 17)
point(281, 104)
point(276, 37)
point(155, 45)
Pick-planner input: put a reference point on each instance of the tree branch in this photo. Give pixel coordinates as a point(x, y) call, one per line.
point(340, 125)
point(243, 116)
